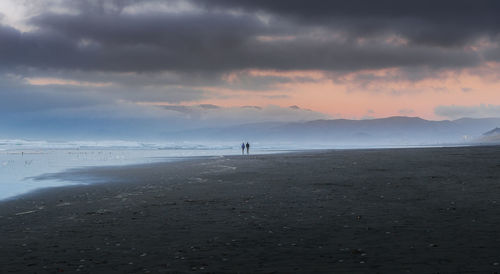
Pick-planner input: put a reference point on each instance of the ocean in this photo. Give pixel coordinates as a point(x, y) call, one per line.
point(23, 160)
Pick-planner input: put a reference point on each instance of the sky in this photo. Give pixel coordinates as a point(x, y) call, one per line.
point(67, 64)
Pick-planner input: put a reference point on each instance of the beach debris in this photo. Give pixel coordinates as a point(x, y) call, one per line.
point(98, 212)
point(25, 212)
point(64, 204)
point(357, 251)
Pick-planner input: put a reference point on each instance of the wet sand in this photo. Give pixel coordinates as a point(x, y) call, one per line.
point(423, 210)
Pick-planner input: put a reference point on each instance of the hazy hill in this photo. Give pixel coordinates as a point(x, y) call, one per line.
point(384, 131)
point(490, 137)
point(495, 131)
point(392, 131)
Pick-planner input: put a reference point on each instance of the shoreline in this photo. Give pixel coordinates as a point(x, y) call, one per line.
point(350, 211)
point(19, 169)
point(72, 182)
point(40, 177)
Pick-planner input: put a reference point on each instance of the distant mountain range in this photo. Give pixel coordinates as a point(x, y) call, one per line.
point(391, 131)
point(341, 132)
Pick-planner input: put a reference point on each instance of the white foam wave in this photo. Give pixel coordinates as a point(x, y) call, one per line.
point(20, 144)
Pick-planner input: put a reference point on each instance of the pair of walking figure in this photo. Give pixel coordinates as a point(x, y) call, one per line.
point(243, 146)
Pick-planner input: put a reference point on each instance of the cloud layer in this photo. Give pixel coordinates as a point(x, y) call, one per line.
point(480, 111)
point(125, 57)
point(222, 36)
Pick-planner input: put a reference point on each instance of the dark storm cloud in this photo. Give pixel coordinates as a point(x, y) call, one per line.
point(193, 52)
point(216, 39)
point(492, 54)
point(116, 43)
point(443, 22)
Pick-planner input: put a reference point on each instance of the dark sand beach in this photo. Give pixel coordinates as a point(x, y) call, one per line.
point(422, 210)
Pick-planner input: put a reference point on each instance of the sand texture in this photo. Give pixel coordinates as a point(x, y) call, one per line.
point(425, 210)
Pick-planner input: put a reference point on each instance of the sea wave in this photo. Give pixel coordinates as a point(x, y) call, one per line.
point(21, 144)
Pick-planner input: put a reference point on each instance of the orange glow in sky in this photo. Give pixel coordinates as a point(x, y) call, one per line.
point(383, 97)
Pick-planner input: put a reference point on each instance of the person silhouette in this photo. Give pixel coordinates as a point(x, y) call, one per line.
point(242, 148)
point(248, 147)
